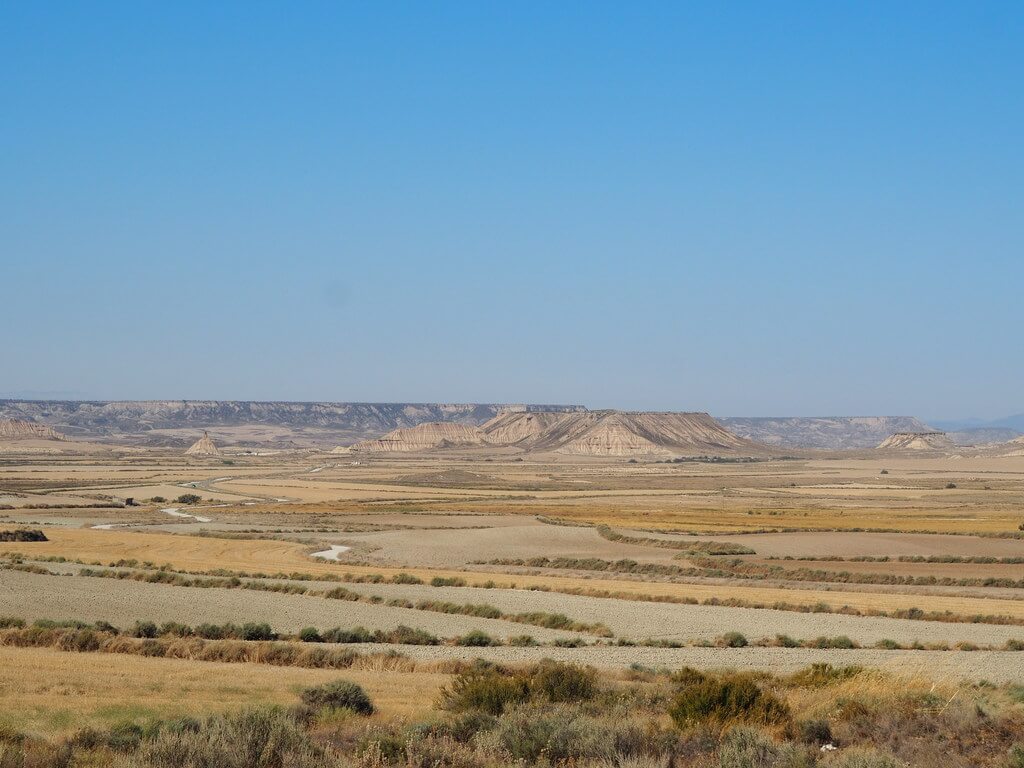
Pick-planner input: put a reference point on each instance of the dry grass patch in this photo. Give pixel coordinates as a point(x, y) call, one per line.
point(52, 693)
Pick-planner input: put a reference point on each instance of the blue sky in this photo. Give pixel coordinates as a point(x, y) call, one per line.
point(745, 208)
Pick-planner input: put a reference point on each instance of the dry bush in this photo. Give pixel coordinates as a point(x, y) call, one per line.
point(722, 700)
point(250, 739)
point(340, 694)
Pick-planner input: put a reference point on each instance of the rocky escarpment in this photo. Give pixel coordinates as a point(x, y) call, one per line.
point(19, 429)
point(513, 427)
point(322, 423)
point(917, 441)
point(423, 437)
point(832, 433)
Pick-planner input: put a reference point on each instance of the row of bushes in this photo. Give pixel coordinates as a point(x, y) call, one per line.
point(747, 570)
point(701, 546)
point(82, 636)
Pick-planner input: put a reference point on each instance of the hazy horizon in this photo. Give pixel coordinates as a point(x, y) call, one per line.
point(793, 209)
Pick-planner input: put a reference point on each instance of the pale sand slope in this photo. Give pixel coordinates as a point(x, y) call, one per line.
point(670, 621)
point(940, 666)
point(33, 596)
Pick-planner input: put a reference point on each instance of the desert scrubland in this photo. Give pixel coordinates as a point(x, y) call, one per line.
point(245, 578)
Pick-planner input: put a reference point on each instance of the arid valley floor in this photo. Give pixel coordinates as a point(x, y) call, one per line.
point(910, 567)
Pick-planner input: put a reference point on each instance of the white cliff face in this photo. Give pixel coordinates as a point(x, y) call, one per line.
point(439, 434)
point(917, 441)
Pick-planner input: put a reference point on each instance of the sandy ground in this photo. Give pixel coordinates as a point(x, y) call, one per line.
point(455, 548)
point(667, 621)
point(32, 596)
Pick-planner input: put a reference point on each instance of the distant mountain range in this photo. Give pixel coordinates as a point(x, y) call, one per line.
point(1016, 423)
point(180, 422)
point(831, 433)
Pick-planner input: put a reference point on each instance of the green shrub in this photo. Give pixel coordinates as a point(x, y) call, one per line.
point(310, 635)
point(443, 581)
point(522, 641)
point(476, 639)
point(484, 689)
point(188, 498)
point(563, 682)
point(404, 635)
point(406, 578)
point(818, 675)
point(732, 640)
point(733, 698)
point(568, 642)
point(213, 631)
point(176, 629)
point(814, 732)
point(253, 631)
point(144, 629)
point(842, 641)
point(250, 739)
point(1014, 645)
point(10, 622)
point(560, 735)
point(355, 635)
point(749, 748)
point(887, 644)
point(340, 694)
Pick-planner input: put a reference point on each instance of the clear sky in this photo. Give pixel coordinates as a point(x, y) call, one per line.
point(746, 208)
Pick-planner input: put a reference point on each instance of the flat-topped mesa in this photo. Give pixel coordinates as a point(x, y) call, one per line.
point(618, 433)
point(423, 437)
point(917, 441)
point(19, 429)
point(203, 447)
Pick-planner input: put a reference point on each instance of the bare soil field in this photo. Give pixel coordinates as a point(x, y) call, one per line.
point(123, 602)
point(195, 553)
point(448, 516)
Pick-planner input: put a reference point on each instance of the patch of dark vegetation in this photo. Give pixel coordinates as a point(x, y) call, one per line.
point(23, 534)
